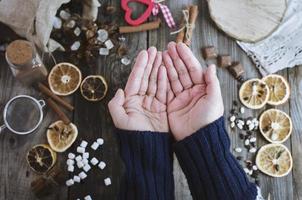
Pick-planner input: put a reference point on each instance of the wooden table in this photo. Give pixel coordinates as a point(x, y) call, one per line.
point(93, 119)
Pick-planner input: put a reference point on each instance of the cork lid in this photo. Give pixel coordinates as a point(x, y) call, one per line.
point(19, 52)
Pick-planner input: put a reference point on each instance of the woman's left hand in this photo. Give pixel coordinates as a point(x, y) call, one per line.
point(142, 105)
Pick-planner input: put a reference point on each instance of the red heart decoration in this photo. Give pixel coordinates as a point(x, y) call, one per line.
point(143, 17)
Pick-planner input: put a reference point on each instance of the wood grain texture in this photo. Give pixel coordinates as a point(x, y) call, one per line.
point(93, 119)
point(241, 18)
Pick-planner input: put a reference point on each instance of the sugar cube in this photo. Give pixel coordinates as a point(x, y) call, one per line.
point(125, 61)
point(85, 161)
point(85, 155)
point(70, 162)
point(70, 24)
point(71, 156)
point(84, 144)
point(77, 31)
point(80, 150)
point(102, 35)
point(88, 197)
point(70, 168)
point(69, 182)
point(78, 158)
point(75, 46)
point(76, 179)
point(94, 161)
point(57, 23)
point(64, 15)
point(86, 168)
point(80, 164)
point(82, 175)
point(109, 45)
point(107, 181)
point(102, 165)
point(100, 141)
point(95, 145)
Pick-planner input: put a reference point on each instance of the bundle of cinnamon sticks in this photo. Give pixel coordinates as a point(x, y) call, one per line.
point(185, 35)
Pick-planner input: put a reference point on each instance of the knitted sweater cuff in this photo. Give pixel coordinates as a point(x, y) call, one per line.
point(211, 170)
point(148, 161)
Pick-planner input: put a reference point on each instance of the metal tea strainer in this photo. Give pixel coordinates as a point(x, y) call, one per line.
point(22, 114)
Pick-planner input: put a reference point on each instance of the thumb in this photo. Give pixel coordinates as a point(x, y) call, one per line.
point(212, 82)
point(116, 108)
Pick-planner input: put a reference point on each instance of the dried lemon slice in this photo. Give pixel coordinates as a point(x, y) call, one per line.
point(94, 88)
point(275, 125)
point(254, 93)
point(64, 79)
point(61, 136)
point(274, 160)
point(279, 89)
point(41, 158)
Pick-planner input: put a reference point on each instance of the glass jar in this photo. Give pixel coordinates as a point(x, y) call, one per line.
point(24, 62)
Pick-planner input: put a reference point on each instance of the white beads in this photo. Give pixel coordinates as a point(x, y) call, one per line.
point(95, 146)
point(109, 45)
point(84, 144)
point(87, 168)
point(78, 158)
point(70, 162)
point(100, 141)
point(81, 150)
point(238, 150)
point(82, 175)
point(71, 156)
point(88, 197)
point(76, 179)
point(69, 182)
point(85, 155)
point(70, 168)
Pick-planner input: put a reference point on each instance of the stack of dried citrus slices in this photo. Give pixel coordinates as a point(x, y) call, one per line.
point(275, 125)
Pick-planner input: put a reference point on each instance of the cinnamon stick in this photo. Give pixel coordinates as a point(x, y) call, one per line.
point(143, 27)
point(181, 35)
point(192, 20)
point(49, 93)
point(57, 110)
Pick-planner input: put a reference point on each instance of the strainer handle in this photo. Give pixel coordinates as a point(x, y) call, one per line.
point(2, 128)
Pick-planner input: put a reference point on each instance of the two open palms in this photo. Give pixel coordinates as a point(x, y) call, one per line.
point(168, 90)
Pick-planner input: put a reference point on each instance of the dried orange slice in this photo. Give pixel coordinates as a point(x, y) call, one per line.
point(61, 136)
point(94, 88)
point(41, 158)
point(254, 93)
point(275, 125)
point(274, 160)
point(279, 90)
point(64, 79)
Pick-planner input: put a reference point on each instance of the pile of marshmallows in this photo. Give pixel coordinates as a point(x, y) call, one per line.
point(82, 162)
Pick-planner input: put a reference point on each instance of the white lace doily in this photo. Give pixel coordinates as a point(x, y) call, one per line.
point(283, 48)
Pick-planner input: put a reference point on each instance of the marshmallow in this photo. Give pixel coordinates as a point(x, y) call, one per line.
point(102, 165)
point(87, 168)
point(94, 161)
point(82, 175)
point(107, 181)
point(81, 150)
point(76, 179)
point(71, 156)
point(95, 145)
point(70, 162)
point(100, 141)
point(84, 144)
point(69, 182)
point(70, 168)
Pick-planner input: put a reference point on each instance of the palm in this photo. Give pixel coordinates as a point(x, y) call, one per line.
point(143, 104)
point(197, 100)
point(146, 113)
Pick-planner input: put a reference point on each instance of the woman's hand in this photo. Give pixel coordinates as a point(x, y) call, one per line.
point(142, 105)
point(198, 100)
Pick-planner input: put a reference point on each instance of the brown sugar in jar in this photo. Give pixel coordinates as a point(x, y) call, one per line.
point(24, 62)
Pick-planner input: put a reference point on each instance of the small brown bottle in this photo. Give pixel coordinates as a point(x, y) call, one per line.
point(24, 62)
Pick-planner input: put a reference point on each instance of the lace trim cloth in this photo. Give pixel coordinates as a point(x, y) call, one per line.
point(283, 48)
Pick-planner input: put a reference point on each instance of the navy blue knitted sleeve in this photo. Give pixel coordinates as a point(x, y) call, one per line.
point(211, 170)
point(148, 162)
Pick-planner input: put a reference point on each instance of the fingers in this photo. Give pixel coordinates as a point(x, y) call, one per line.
point(135, 78)
point(152, 86)
point(170, 95)
point(145, 81)
point(180, 67)
point(172, 74)
point(116, 108)
point(162, 81)
point(191, 62)
point(212, 82)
